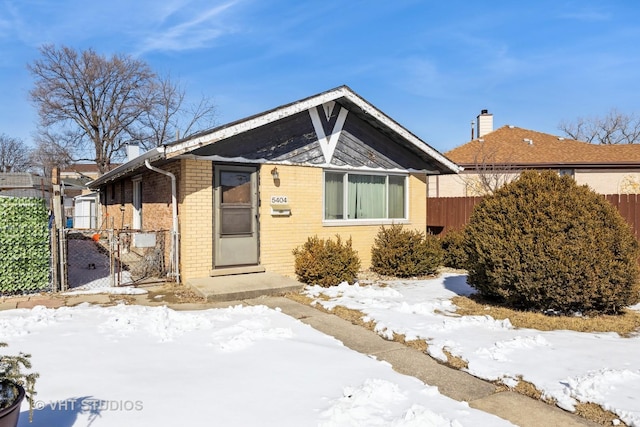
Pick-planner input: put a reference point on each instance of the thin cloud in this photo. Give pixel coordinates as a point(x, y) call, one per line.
point(190, 34)
point(586, 16)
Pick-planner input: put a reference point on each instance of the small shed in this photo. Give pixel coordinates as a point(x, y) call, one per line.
point(85, 211)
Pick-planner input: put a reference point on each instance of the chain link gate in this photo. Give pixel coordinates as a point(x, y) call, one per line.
point(111, 258)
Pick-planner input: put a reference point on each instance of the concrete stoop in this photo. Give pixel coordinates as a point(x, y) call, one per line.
point(243, 286)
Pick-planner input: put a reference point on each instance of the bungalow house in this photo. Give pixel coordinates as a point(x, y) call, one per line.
point(243, 195)
point(496, 157)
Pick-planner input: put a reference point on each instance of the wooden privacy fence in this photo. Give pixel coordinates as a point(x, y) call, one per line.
point(448, 213)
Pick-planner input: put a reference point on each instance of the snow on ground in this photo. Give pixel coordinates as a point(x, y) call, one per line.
point(568, 366)
point(239, 366)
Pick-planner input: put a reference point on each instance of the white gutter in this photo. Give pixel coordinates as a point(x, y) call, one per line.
point(175, 241)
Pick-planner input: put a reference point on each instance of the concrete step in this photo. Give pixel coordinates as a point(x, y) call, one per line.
point(242, 286)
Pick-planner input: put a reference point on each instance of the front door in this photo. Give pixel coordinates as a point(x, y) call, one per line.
point(235, 216)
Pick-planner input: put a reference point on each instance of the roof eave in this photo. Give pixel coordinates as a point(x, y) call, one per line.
point(235, 128)
point(549, 165)
point(152, 155)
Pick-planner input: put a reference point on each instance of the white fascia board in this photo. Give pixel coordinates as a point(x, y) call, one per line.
point(255, 122)
point(304, 105)
point(400, 130)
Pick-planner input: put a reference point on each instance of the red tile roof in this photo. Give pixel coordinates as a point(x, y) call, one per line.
point(511, 145)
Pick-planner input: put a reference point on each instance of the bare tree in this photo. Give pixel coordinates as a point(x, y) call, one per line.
point(171, 117)
point(14, 154)
point(93, 106)
point(51, 152)
point(614, 128)
point(490, 172)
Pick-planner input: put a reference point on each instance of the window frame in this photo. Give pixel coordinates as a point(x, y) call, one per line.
point(345, 197)
point(567, 171)
point(136, 203)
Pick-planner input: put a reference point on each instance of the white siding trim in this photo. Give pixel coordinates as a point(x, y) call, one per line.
point(328, 145)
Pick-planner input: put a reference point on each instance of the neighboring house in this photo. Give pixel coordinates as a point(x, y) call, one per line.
point(79, 201)
point(247, 193)
point(24, 184)
point(499, 156)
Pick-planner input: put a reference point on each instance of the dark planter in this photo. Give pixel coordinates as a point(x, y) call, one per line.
point(9, 415)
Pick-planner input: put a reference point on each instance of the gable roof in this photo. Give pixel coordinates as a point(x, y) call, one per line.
point(342, 95)
point(514, 146)
point(24, 184)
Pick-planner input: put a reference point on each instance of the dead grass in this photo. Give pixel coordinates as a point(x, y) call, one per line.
point(528, 389)
point(595, 413)
point(303, 299)
point(626, 325)
point(589, 411)
point(173, 293)
point(455, 361)
point(353, 316)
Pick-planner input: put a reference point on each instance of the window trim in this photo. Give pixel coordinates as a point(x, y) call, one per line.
point(567, 171)
point(365, 221)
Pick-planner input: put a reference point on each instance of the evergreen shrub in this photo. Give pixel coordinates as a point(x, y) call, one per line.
point(453, 247)
point(405, 253)
point(544, 243)
point(325, 262)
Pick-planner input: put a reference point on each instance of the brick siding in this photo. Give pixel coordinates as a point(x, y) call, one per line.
point(279, 235)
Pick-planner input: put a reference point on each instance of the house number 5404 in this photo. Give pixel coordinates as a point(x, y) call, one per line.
point(279, 200)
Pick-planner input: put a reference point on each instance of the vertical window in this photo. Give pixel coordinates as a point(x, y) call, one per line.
point(334, 195)
point(137, 204)
point(363, 196)
point(236, 203)
point(396, 196)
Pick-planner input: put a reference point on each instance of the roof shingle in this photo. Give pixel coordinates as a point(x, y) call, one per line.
point(510, 145)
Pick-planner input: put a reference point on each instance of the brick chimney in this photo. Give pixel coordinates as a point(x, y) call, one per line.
point(485, 123)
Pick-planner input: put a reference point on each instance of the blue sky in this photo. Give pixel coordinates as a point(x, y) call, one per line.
point(430, 65)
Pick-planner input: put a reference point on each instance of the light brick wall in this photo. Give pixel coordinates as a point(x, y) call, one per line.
point(196, 218)
point(303, 186)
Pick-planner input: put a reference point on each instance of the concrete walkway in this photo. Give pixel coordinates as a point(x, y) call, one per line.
point(458, 385)
point(482, 395)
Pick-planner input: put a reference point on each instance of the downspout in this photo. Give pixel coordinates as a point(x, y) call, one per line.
point(175, 241)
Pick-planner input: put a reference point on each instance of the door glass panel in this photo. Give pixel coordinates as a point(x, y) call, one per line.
point(236, 187)
point(235, 221)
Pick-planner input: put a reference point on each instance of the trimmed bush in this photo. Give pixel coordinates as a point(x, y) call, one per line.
point(325, 262)
point(453, 247)
point(544, 243)
point(405, 253)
